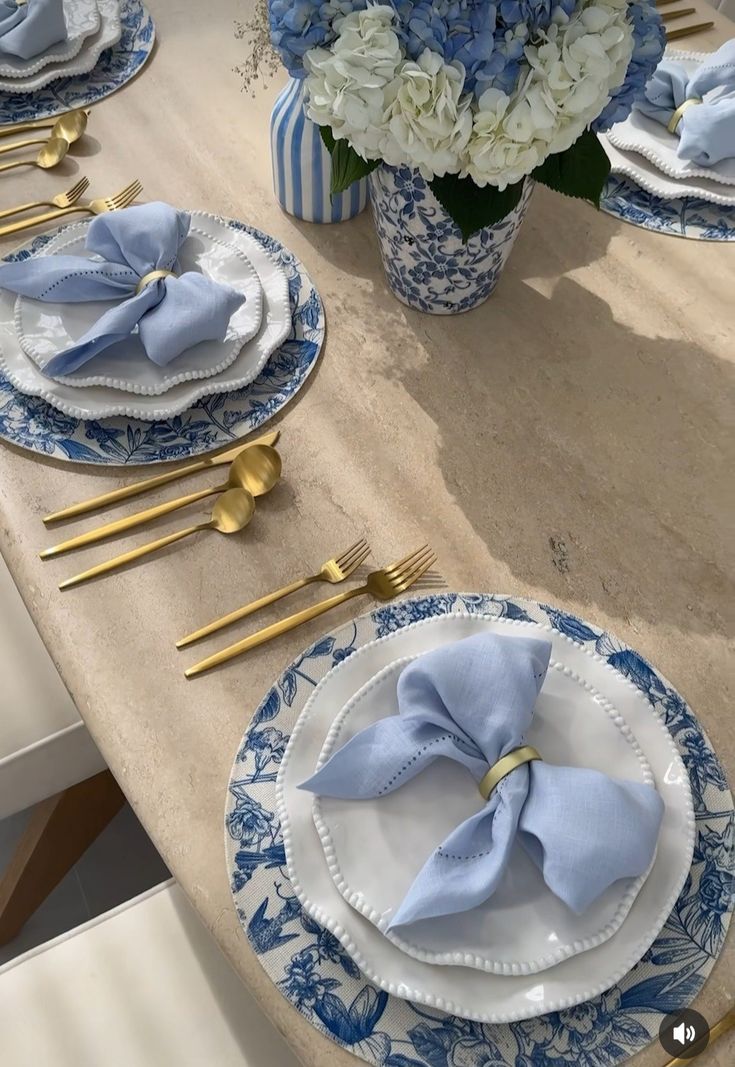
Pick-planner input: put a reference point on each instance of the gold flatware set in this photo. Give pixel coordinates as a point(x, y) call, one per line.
point(681, 31)
point(64, 131)
point(255, 469)
point(98, 206)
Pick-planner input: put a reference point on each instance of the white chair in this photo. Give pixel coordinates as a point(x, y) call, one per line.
point(47, 760)
point(142, 986)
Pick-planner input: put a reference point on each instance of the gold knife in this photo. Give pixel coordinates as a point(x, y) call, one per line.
point(128, 491)
point(687, 31)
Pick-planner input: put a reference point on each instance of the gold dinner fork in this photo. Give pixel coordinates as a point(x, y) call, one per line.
point(120, 200)
point(61, 200)
point(383, 585)
point(335, 570)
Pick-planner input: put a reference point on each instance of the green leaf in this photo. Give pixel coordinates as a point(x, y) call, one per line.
point(472, 207)
point(347, 166)
point(580, 171)
point(328, 138)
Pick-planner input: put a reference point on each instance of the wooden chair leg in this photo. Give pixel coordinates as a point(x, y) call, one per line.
point(59, 832)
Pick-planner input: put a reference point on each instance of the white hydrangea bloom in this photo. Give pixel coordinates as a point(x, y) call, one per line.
point(350, 85)
point(415, 113)
point(572, 73)
point(430, 119)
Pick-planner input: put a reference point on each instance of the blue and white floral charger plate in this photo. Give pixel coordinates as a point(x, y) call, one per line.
point(116, 66)
point(690, 216)
point(212, 423)
point(310, 966)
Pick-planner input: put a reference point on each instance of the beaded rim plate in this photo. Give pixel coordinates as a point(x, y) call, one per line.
point(212, 423)
point(653, 181)
point(83, 60)
point(99, 402)
point(523, 928)
point(82, 20)
point(472, 994)
point(43, 329)
point(641, 134)
point(114, 68)
point(312, 970)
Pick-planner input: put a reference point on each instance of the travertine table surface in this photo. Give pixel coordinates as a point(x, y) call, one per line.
point(570, 441)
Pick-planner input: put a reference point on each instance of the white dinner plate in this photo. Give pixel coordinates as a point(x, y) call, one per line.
point(44, 329)
point(652, 141)
point(108, 34)
point(82, 20)
point(654, 181)
point(523, 928)
point(464, 991)
point(98, 402)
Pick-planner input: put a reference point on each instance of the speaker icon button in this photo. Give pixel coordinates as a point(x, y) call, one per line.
point(684, 1033)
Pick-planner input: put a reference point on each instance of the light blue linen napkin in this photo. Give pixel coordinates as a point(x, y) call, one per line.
point(171, 314)
point(30, 29)
point(473, 702)
point(706, 131)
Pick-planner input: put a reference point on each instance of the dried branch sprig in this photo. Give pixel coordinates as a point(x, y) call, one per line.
point(261, 62)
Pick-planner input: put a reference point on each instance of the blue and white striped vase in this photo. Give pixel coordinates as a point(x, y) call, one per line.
point(301, 164)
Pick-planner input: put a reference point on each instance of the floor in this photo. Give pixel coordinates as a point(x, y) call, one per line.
point(121, 863)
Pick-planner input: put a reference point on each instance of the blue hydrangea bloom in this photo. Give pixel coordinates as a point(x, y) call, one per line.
point(649, 40)
point(298, 25)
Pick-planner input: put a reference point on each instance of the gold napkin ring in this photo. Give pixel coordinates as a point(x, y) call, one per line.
point(676, 117)
point(152, 276)
point(515, 758)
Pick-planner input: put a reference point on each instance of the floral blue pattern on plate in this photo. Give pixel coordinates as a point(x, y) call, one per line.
point(116, 66)
point(213, 422)
point(312, 970)
point(688, 217)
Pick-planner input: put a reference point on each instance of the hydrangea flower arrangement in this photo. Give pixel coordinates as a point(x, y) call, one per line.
point(478, 95)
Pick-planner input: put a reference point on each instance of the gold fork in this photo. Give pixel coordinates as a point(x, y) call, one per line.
point(61, 200)
point(383, 585)
point(335, 570)
point(95, 207)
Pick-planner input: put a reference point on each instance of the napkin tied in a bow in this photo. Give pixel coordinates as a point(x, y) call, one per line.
point(171, 313)
point(28, 30)
point(473, 702)
point(706, 128)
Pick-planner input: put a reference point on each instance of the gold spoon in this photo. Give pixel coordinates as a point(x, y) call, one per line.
point(52, 153)
point(71, 117)
point(69, 127)
point(256, 469)
point(232, 512)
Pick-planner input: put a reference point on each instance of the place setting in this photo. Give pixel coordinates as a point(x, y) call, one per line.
point(145, 333)
point(677, 147)
point(464, 825)
point(62, 54)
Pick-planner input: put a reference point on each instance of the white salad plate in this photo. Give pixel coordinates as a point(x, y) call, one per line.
point(654, 181)
point(523, 928)
point(44, 329)
point(97, 402)
point(82, 20)
point(653, 141)
point(464, 990)
point(87, 57)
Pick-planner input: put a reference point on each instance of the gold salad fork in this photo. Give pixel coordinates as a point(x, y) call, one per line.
point(120, 200)
point(335, 570)
point(61, 200)
point(383, 585)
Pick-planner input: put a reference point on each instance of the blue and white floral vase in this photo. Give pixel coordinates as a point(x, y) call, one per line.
point(428, 264)
point(302, 166)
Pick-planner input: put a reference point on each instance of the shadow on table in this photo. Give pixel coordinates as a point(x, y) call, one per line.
point(605, 469)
